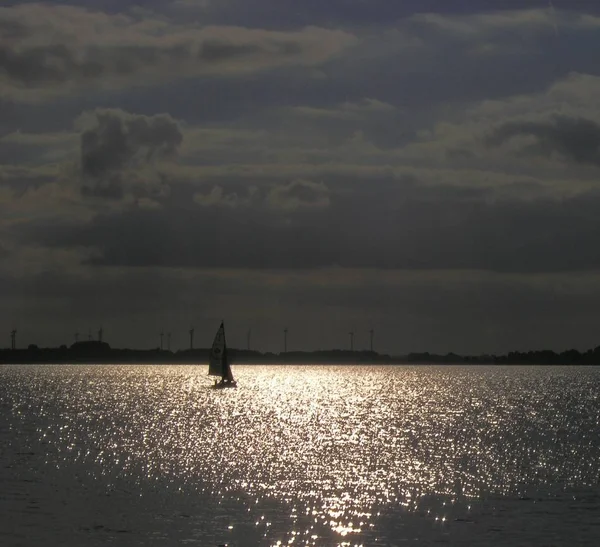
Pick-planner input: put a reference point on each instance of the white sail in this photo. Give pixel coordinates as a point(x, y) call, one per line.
point(217, 354)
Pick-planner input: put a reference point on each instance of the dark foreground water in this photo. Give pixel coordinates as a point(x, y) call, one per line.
point(371, 456)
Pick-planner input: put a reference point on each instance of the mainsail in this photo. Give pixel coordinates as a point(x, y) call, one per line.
point(218, 363)
point(217, 359)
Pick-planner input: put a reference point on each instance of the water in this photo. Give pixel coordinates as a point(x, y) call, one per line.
point(371, 456)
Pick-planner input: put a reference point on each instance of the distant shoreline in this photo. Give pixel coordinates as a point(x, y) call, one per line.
point(91, 352)
point(297, 363)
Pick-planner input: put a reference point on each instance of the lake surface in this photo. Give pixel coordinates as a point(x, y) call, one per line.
point(299, 455)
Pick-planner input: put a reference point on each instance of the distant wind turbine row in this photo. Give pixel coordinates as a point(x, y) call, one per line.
point(13, 338)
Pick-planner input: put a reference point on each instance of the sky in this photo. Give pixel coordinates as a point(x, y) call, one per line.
point(429, 170)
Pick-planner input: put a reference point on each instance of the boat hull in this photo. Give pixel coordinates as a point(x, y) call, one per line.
point(223, 385)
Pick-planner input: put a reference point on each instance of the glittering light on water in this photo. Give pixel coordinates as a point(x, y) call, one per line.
point(337, 446)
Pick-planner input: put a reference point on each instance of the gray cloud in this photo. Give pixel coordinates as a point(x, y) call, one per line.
point(375, 12)
point(285, 197)
point(403, 228)
point(299, 194)
point(20, 178)
point(52, 64)
point(115, 143)
point(218, 197)
point(184, 238)
point(575, 139)
point(118, 139)
point(63, 50)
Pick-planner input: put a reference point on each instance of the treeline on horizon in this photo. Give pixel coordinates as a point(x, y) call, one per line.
point(102, 353)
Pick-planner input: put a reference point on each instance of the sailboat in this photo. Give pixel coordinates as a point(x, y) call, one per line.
point(218, 364)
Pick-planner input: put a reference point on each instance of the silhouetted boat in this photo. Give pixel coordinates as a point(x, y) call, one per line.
point(218, 364)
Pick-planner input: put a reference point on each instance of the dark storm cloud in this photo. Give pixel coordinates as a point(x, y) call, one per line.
point(190, 238)
point(116, 141)
point(39, 65)
point(575, 139)
point(387, 232)
point(489, 312)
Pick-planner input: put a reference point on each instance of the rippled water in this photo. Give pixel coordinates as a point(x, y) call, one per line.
point(149, 455)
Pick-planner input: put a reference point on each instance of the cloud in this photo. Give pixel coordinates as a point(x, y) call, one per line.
point(117, 145)
point(58, 139)
point(21, 177)
point(398, 225)
point(217, 197)
point(353, 144)
point(116, 139)
point(486, 55)
point(574, 139)
point(380, 13)
point(552, 135)
point(53, 51)
point(299, 194)
point(485, 23)
point(149, 204)
point(362, 110)
point(492, 24)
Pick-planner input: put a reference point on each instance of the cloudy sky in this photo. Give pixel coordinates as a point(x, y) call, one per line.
point(428, 169)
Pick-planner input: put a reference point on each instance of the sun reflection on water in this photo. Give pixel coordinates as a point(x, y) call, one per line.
point(336, 445)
